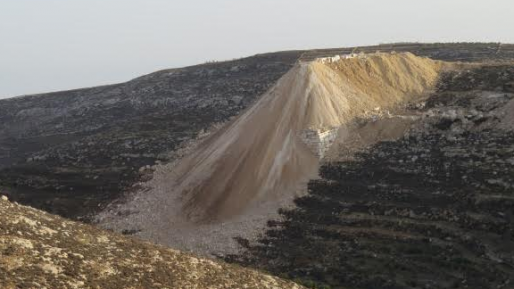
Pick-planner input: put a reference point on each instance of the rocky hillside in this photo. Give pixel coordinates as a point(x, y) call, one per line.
point(39, 250)
point(431, 207)
point(71, 152)
point(416, 195)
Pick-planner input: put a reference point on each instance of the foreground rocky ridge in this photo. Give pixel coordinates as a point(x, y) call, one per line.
point(39, 250)
point(431, 209)
point(71, 152)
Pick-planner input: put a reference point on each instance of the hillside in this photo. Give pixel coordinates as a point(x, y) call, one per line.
point(73, 152)
point(39, 250)
point(386, 167)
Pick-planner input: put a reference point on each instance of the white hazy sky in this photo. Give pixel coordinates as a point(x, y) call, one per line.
point(49, 45)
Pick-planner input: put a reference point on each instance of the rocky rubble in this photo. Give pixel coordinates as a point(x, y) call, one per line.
point(39, 250)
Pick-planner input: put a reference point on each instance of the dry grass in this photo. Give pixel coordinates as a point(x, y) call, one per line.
point(38, 250)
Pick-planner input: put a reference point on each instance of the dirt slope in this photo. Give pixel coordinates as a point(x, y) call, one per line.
point(260, 154)
point(258, 163)
point(39, 250)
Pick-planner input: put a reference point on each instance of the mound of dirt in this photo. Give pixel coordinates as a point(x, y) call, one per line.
point(253, 164)
point(260, 154)
point(39, 250)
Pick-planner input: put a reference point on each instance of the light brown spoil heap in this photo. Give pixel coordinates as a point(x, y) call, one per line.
point(39, 250)
point(260, 154)
point(237, 178)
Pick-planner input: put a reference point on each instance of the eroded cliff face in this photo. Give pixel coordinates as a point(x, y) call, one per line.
point(39, 250)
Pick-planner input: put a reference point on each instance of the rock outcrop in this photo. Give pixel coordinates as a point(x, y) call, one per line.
point(319, 141)
point(39, 250)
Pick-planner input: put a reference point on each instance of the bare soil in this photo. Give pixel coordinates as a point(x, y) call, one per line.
point(240, 176)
